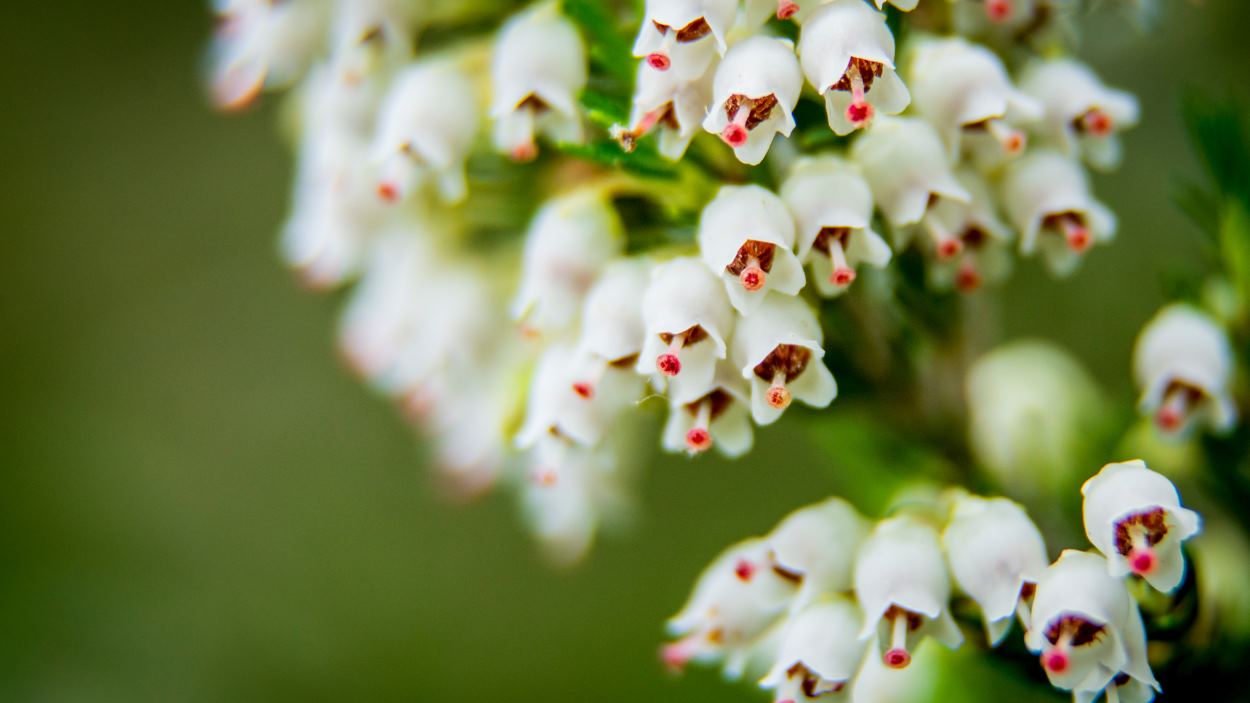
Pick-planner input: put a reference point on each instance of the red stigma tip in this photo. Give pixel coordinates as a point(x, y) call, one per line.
point(674, 657)
point(752, 278)
point(744, 570)
point(698, 440)
point(584, 389)
point(1055, 661)
point(1142, 561)
point(1169, 419)
point(735, 135)
point(1079, 239)
point(949, 248)
point(897, 658)
point(524, 152)
point(388, 192)
point(998, 10)
point(968, 280)
point(778, 397)
point(859, 113)
point(1014, 143)
point(1098, 123)
point(658, 61)
point(786, 10)
point(668, 364)
point(842, 277)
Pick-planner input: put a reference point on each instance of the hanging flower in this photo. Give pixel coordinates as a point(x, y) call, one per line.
point(820, 653)
point(612, 330)
point(816, 546)
point(721, 418)
point(778, 348)
point(969, 242)
point(746, 236)
point(1183, 363)
point(556, 410)
point(684, 37)
point(1080, 114)
point(570, 492)
point(906, 167)
point(261, 44)
point(666, 103)
point(754, 92)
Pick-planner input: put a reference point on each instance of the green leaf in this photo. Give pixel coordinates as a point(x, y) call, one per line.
point(1235, 248)
point(610, 48)
point(1218, 131)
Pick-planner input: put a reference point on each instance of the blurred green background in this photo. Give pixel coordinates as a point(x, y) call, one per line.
point(200, 505)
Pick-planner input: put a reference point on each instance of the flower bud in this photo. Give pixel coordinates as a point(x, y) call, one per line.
point(538, 71)
point(720, 418)
point(754, 92)
point(1183, 363)
point(1134, 517)
point(683, 37)
point(746, 236)
point(665, 102)
point(906, 167)
point(778, 350)
point(820, 653)
point(832, 206)
point(816, 546)
point(1080, 114)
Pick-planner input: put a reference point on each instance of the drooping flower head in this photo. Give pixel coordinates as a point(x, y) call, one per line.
point(906, 167)
point(968, 241)
point(819, 655)
point(556, 411)
point(746, 237)
point(1080, 114)
point(261, 44)
point(1183, 363)
point(612, 329)
point(683, 37)
point(816, 547)
point(754, 92)
point(570, 492)
point(666, 103)
point(720, 418)
point(778, 348)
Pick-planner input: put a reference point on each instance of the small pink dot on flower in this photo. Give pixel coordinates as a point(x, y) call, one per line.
point(778, 397)
point(545, 477)
point(1098, 123)
point(998, 10)
point(388, 192)
point(1079, 239)
point(584, 389)
point(698, 440)
point(949, 248)
point(842, 276)
point(658, 61)
point(786, 9)
point(744, 570)
point(752, 278)
point(897, 658)
point(859, 113)
point(675, 656)
point(668, 364)
point(1169, 419)
point(735, 135)
point(967, 280)
point(1055, 661)
point(1142, 561)
point(524, 152)
point(1014, 143)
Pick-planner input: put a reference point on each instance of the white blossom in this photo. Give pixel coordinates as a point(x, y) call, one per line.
point(996, 555)
point(1183, 363)
point(538, 71)
point(664, 102)
point(569, 493)
point(820, 653)
point(1081, 115)
point(904, 590)
point(848, 56)
point(684, 37)
point(262, 44)
point(754, 92)
point(969, 241)
point(612, 329)
point(1134, 517)
point(746, 237)
point(906, 167)
point(721, 418)
point(1046, 196)
point(816, 546)
point(778, 348)
point(556, 409)
point(370, 38)
point(384, 307)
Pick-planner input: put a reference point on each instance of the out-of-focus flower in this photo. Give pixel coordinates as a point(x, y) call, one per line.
point(963, 89)
point(754, 92)
point(664, 101)
point(906, 167)
point(746, 237)
point(816, 546)
point(820, 653)
point(970, 243)
point(1134, 517)
point(612, 330)
point(904, 5)
point(1086, 626)
point(556, 410)
point(687, 320)
point(1081, 115)
point(976, 17)
point(904, 590)
point(261, 44)
point(778, 348)
point(569, 241)
point(996, 555)
point(1046, 196)
point(832, 206)
point(720, 418)
point(380, 314)
point(848, 56)
point(426, 127)
point(683, 37)
point(1183, 362)
point(569, 493)
point(538, 71)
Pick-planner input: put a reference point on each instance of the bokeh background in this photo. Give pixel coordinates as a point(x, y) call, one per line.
point(199, 504)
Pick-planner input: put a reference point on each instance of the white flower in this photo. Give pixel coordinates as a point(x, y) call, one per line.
point(969, 240)
point(425, 130)
point(778, 349)
point(1183, 363)
point(1134, 517)
point(538, 71)
point(721, 418)
point(1081, 115)
point(963, 88)
point(665, 102)
point(382, 310)
point(569, 241)
point(612, 331)
point(370, 38)
point(1047, 198)
point(877, 683)
point(1122, 689)
point(996, 554)
point(570, 491)
point(1086, 626)
point(556, 409)
point(832, 206)
point(903, 588)
point(746, 236)
point(906, 167)
point(820, 653)
point(260, 43)
point(687, 321)
point(848, 56)
point(816, 546)
point(683, 37)
point(754, 92)
point(736, 600)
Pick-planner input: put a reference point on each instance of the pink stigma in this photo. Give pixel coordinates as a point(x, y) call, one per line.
point(1078, 238)
point(778, 397)
point(1014, 143)
point(752, 278)
point(842, 277)
point(584, 389)
point(1169, 418)
point(786, 9)
point(949, 248)
point(1055, 661)
point(897, 658)
point(658, 61)
point(735, 135)
point(967, 280)
point(1142, 561)
point(698, 440)
point(675, 656)
point(744, 570)
point(668, 364)
point(1098, 123)
point(388, 192)
point(859, 113)
point(998, 10)
point(524, 152)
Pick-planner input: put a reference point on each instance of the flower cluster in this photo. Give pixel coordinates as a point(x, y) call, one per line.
point(827, 595)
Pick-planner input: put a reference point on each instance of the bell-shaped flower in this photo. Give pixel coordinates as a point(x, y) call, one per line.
point(848, 56)
point(734, 604)
point(1122, 689)
point(1080, 114)
point(612, 331)
point(1046, 196)
point(754, 92)
point(538, 71)
point(556, 409)
point(746, 236)
point(666, 103)
point(683, 37)
point(904, 590)
point(370, 39)
point(385, 307)
point(968, 241)
point(721, 418)
point(906, 166)
point(778, 348)
point(425, 129)
point(832, 207)
point(687, 320)
point(569, 241)
point(963, 89)
point(1183, 363)
point(996, 555)
point(571, 491)
point(262, 44)
point(820, 653)
point(815, 546)
point(1086, 626)
point(1134, 517)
